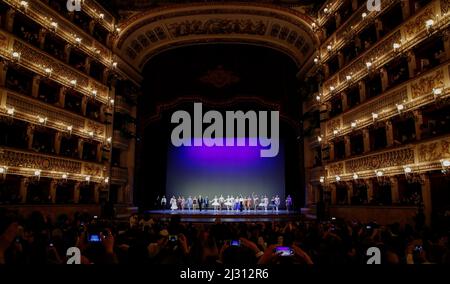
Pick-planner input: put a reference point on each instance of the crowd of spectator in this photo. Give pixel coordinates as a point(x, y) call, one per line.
point(143, 239)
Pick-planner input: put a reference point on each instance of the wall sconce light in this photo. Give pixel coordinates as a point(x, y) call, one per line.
point(400, 107)
point(364, 15)
point(111, 101)
point(78, 40)
point(114, 64)
point(109, 140)
point(348, 77)
point(322, 179)
point(73, 82)
point(318, 98)
point(94, 93)
point(429, 24)
point(64, 176)
point(87, 179)
point(319, 139)
point(316, 60)
point(101, 16)
point(338, 178)
point(48, 71)
point(396, 46)
point(91, 133)
point(437, 92)
point(54, 26)
point(379, 173)
point(408, 170)
point(70, 128)
point(329, 48)
point(326, 10)
point(368, 65)
point(374, 116)
point(355, 176)
point(42, 120)
point(15, 56)
point(106, 180)
point(10, 111)
point(353, 124)
point(336, 131)
point(24, 5)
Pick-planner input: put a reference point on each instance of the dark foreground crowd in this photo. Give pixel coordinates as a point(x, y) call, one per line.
point(142, 239)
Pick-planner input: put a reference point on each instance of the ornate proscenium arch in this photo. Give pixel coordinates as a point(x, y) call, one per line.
point(146, 34)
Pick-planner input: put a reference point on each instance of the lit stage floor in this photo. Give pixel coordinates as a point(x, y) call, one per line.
point(227, 216)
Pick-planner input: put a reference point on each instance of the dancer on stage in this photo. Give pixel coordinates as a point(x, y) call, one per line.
point(236, 203)
point(215, 203)
point(255, 202)
point(288, 202)
point(200, 202)
point(173, 203)
point(189, 203)
point(249, 203)
point(228, 203)
point(221, 202)
point(163, 202)
point(277, 202)
point(194, 203)
point(179, 202)
point(183, 203)
point(206, 203)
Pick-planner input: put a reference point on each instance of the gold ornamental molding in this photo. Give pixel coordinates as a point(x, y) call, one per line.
point(411, 95)
point(419, 158)
point(406, 36)
point(26, 163)
point(149, 33)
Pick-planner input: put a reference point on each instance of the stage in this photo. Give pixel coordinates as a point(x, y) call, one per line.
point(210, 215)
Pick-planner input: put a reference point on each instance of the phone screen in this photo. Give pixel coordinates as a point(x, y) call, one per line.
point(284, 251)
point(235, 243)
point(173, 238)
point(94, 238)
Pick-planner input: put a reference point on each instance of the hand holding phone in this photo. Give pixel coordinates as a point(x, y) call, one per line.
point(284, 251)
point(235, 243)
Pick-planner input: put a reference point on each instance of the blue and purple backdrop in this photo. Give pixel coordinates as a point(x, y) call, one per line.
point(230, 170)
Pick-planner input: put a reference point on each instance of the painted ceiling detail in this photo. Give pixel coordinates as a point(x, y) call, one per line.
point(149, 33)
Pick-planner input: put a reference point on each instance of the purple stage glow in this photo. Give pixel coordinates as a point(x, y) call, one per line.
point(224, 170)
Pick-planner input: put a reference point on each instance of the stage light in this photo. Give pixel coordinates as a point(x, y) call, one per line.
point(408, 170)
point(10, 110)
point(355, 176)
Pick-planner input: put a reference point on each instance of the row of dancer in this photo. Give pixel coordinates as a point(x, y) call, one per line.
point(230, 203)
